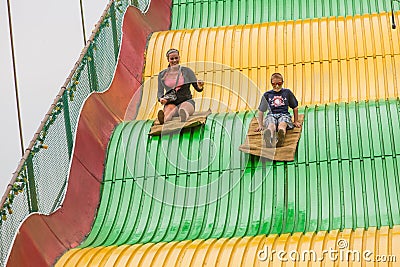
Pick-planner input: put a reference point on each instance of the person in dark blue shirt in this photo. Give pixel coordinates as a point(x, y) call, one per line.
point(277, 102)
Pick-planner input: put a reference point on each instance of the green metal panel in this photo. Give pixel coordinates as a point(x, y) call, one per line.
point(197, 184)
point(212, 13)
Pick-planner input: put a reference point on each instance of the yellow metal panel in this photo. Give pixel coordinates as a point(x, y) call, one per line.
point(219, 47)
point(163, 253)
point(324, 42)
point(280, 43)
point(382, 90)
point(99, 258)
point(352, 88)
point(333, 37)
point(330, 242)
point(115, 256)
point(382, 246)
point(396, 75)
point(250, 251)
point(85, 256)
point(390, 75)
point(369, 41)
point(307, 83)
point(271, 45)
point(318, 247)
point(305, 245)
point(159, 58)
point(356, 245)
point(254, 246)
point(370, 242)
point(292, 245)
point(150, 256)
point(245, 49)
point(290, 45)
point(211, 50)
point(239, 251)
point(342, 36)
point(188, 255)
point(191, 39)
point(298, 41)
point(315, 51)
point(150, 57)
point(199, 46)
point(255, 46)
point(227, 251)
point(394, 242)
point(175, 252)
point(227, 47)
point(201, 252)
point(139, 255)
point(68, 257)
point(326, 81)
point(306, 41)
point(212, 254)
point(279, 245)
point(126, 254)
point(263, 52)
point(396, 35)
point(323, 60)
point(375, 23)
point(350, 40)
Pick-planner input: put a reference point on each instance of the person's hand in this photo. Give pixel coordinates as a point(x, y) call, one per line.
point(297, 124)
point(200, 83)
point(163, 101)
point(259, 129)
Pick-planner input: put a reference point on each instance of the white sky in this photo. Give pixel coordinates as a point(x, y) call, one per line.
point(47, 41)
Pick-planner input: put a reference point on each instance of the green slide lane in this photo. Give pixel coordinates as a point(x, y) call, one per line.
point(188, 14)
point(196, 184)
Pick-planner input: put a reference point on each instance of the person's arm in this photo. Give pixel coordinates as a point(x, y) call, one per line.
point(296, 117)
point(260, 119)
point(293, 103)
point(160, 91)
point(263, 107)
point(197, 84)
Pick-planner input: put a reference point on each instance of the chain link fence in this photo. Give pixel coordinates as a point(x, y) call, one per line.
point(39, 183)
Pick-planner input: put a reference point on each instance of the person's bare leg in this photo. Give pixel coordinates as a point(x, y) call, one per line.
point(281, 133)
point(185, 110)
point(272, 128)
point(169, 111)
point(269, 135)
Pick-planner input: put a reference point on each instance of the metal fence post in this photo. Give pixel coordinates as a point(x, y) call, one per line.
point(94, 86)
point(114, 30)
point(67, 122)
point(33, 203)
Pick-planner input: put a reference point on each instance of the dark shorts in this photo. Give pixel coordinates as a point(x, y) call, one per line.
point(191, 101)
point(278, 118)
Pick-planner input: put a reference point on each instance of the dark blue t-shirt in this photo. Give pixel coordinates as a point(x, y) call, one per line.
point(278, 102)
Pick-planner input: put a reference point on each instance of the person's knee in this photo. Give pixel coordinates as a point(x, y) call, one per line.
point(271, 126)
point(282, 125)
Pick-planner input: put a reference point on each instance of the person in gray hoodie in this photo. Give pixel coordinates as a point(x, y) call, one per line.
point(178, 78)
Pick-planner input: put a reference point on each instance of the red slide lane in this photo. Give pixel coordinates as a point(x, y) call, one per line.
point(42, 239)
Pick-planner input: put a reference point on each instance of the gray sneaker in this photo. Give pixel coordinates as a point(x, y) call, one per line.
point(267, 137)
point(281, 137)
point(183, 115)
point(160, 116)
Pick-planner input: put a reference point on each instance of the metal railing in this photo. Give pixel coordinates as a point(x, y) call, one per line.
point(37, 185)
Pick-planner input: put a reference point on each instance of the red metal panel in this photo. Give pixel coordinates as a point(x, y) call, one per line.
point(42, 239)
point(35, 244)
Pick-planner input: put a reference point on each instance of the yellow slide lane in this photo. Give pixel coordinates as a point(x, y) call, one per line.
point(357, 248)
point(323, 60)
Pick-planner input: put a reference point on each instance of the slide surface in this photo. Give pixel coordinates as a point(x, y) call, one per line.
point(192, 198)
